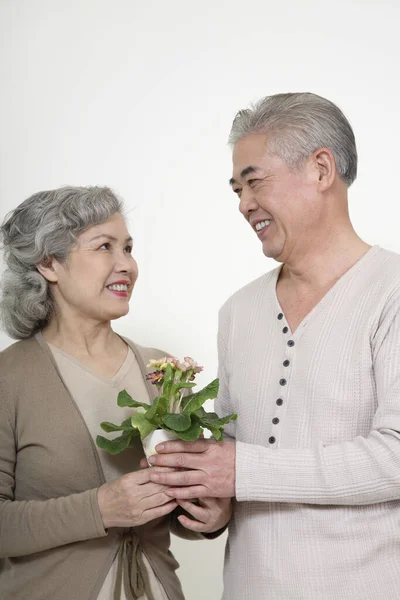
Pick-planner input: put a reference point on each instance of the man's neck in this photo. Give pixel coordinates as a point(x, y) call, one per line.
point(319, 265)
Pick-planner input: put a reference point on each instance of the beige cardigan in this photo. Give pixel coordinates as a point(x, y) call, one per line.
point(53, 545)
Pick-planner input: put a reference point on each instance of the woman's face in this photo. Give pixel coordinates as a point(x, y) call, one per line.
point(97, 279)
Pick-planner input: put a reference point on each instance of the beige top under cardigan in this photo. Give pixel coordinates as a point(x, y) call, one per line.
point(53, 545)
point(317, 515)
point(96, 398)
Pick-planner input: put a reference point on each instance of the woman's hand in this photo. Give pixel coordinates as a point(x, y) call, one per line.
point(210, 514)
point(133, 500)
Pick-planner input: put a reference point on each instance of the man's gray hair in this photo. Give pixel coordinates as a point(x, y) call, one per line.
point(298, 125)
point(43, 226)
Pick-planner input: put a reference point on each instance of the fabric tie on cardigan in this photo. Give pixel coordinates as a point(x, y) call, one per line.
point(131, 571)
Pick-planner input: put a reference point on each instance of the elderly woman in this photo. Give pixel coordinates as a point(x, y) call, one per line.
point(75, 522)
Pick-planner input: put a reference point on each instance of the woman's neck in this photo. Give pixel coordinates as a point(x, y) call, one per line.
point(83, 339)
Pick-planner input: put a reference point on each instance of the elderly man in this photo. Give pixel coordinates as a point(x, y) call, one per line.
point(310, 360)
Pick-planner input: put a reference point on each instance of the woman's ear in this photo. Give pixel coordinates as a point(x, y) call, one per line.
point(47, 269)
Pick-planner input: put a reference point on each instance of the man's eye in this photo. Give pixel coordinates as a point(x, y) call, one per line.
point(128, 249)
point(252, 182)
point(105, 246)
point(237, 191)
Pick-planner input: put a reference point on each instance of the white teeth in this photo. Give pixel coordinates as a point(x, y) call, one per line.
point(262, 224)
point(118, 287)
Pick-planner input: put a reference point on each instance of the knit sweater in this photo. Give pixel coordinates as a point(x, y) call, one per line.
point(53, 545)
point(317, 515)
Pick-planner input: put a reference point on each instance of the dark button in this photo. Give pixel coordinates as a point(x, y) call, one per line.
point(282, 382)
point(285, 329)
point(272, 440)
point(290, 343)
point(286, 363)
point(279, 402)
point(280, 316)
point(275, 420)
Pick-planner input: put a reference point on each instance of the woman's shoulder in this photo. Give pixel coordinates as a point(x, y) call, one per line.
point(146, 353)
point(21, 351)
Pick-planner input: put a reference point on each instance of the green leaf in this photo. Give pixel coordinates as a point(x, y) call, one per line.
point(190, 434)
point(124, 399)
point(201, 413)
point(217, 433)
point(212, 420)
point(176, 422)
point(116, 445)
point(195, 401)
point(168, 380)
point(109, 427)
point(159, 407)
point(183, 384)
point(140, 422)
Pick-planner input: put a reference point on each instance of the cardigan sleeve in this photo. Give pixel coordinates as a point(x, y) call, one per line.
point(28, 526)
point(222, 404)
point(362, 471)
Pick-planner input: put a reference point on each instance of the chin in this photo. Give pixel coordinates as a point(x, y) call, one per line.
point(119, 314)
point(116, 313)
point(273, 252)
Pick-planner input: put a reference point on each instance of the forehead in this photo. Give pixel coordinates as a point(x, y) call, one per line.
point(250, 154)
point(114, 226)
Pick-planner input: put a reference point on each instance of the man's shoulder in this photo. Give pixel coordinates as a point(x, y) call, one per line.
point(251, 290)
point(385, 271)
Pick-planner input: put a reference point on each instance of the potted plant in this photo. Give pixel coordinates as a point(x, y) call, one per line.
point(174, 414)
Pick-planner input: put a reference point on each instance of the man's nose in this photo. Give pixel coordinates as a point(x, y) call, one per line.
point(247, 202)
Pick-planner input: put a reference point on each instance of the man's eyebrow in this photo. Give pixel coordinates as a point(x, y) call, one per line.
point(244, 172)
point(109, 237)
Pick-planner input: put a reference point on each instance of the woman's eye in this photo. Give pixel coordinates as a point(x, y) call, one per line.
point(128, 249)
point(105, 246)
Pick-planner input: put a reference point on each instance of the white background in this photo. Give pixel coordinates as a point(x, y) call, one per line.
point(140, 95)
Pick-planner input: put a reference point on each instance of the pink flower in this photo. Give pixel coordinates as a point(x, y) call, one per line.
point(156, 377)
point(193, 365)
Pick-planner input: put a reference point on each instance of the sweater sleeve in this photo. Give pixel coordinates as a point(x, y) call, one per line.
point(365, 470)
point(222, 404)
point(28, 526)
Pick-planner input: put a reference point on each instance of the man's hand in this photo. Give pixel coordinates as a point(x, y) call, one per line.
point(210, 514)
point(206, 469)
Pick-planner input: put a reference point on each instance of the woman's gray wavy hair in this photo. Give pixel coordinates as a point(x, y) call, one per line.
point(298, 125)
point(43, 226)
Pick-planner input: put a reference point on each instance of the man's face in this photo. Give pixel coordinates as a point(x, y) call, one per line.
point(281, 204)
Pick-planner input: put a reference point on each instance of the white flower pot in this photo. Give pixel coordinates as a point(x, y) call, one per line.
point(159, 435)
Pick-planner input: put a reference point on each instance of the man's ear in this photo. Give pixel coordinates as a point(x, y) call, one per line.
point(48, 270)
point(326, 168)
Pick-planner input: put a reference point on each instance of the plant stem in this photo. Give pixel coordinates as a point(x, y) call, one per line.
point(178, 406)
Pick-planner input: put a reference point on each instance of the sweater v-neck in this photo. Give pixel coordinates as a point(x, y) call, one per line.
point(328, 296)
point(113, 380)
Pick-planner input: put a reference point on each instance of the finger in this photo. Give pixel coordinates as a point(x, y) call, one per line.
point(138, 477)
point(158, 499)
point(159, 511)
point(144, 464)
point(180, 446)
point(192, 525)
point(162, 469)
point(199, 513)
point(188, 493)
point(173, 478)
point(150, 489)
point(179, 460)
